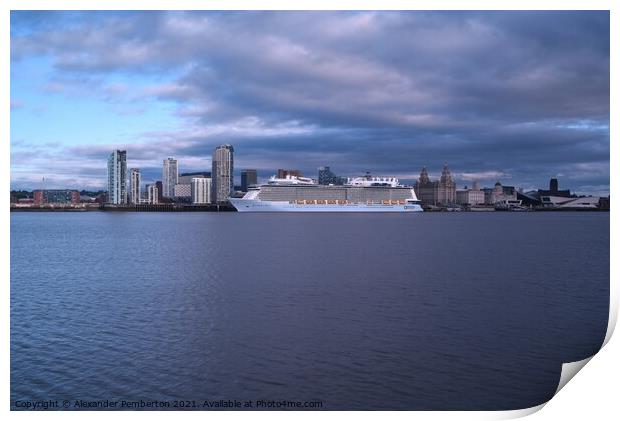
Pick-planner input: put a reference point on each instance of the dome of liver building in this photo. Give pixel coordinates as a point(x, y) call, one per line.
point(446, 175)
point(447, 187)
point(424, 176)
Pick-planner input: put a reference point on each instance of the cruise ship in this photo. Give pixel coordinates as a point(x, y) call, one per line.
point(301, 194)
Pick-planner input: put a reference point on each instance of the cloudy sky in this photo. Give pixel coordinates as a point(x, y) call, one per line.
point(512, 96)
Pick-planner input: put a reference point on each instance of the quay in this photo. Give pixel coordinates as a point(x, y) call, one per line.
point(168, 207)
point(160, 207)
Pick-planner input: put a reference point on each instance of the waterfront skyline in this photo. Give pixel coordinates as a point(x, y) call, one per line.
point(513, 96)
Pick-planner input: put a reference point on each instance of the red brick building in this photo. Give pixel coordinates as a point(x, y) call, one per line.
point(65, 197)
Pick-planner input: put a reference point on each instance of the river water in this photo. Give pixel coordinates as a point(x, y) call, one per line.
point(430, 311)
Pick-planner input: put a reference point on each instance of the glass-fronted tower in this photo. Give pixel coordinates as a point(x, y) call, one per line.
point(170, 177)
point(248, 178)
point(117, 177)
point(222, 173)
point(327, 177)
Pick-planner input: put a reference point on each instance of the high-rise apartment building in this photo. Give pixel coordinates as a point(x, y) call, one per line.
point(134, 186)
point(170, 177)
point(117, 177)
point(201, 190)
point(222, 173)
point(152, 194)
point(248, 178)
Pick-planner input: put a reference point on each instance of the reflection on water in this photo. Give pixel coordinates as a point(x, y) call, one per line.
point(363, 311)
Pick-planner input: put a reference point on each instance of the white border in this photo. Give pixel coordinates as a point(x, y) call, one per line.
point(592, 395)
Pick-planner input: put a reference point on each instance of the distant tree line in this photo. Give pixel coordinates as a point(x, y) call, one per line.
point(91, 193)
point(21, 194)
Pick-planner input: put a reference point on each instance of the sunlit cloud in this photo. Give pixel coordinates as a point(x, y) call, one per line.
point(510, 96)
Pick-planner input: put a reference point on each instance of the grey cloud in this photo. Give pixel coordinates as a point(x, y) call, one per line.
point(499, 92)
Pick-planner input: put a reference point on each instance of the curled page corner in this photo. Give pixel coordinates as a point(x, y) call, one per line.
point(613, 314)
point(517, 413)
point(569, 370)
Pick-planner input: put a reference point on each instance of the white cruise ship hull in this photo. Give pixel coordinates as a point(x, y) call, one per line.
point(254, 205)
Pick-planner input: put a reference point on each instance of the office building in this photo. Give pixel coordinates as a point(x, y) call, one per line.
point(144, 194)
point(222, 173)
point(326, 177)
point(117, 177)
point(470, 197)
point(426, 190)
point(160, 189)
point(436, 193)
point(134, 186)
point(201, 190)
point(446, 193)
point(500, 194)
point(182, 191)
point(186, 178)
point(170, 177)
point(248, 178)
